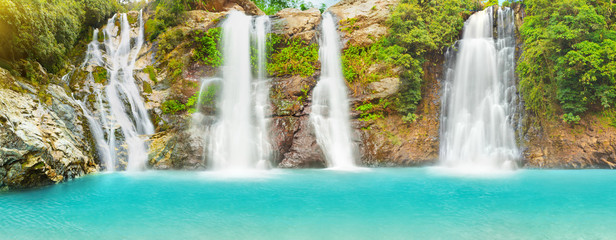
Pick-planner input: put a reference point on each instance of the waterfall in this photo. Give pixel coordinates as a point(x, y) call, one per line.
point(238, 140)
point(478, 97)
point(330, 104)
point(261, 87)
point(102, 147)
point(124, 103)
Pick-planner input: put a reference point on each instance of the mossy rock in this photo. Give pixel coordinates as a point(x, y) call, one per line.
point(100, 75)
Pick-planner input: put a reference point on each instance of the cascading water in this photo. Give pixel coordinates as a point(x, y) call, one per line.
point(330, 104)
point(124, 101)
point(478, 97)
point(261, 86)
point(238, 140)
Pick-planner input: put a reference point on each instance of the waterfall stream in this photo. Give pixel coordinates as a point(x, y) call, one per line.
point(479, 97)
point(238, 140)
point(330, 104)
point(123, 100)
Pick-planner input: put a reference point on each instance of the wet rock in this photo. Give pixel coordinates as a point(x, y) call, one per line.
point(304, 152)
point(282, 131)
point(176, 149)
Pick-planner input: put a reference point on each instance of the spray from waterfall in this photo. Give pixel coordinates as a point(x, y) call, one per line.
point(479, 97)
point(239, 138)
point(330, 104)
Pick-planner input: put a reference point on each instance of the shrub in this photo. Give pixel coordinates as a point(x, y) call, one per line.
point(295, 58)
point(207, 47)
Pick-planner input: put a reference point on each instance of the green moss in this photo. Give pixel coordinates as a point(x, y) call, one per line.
point(146, 87)
point(206, 50)
point(151, 73)
point(175, 67)
point(169, 41)
point(100, 75)
point(349, 25)
point(293, 57)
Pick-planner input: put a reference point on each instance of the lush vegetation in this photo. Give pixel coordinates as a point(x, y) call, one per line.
point(292, 57)
point(207, 50)
point(568, 65)
point(208, 97)
point(420, 29)
point(366, 64)
point(271, 7)
point(44, 31)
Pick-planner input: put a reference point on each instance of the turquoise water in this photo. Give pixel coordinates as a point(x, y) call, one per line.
point(410, 203)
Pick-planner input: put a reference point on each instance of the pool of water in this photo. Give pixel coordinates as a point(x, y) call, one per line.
point(406, 203)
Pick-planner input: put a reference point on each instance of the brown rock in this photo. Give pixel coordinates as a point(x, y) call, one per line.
point(246, 6)
point(293, 22)
point(305, 152)
point(364, 20)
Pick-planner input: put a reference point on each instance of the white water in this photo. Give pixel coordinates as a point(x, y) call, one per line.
point(476, 124)
point(124, 103)
point(261, 86)
point(102, 148)
point(238, 140)
point(330, 104)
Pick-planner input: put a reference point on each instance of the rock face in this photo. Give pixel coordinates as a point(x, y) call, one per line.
point(246, 6)
point(591, 144)
point(292, 23)
point(391, 141)
point(43, 138)
point(362, 22)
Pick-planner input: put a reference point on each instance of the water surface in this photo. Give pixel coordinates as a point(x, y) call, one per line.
point(407, 203)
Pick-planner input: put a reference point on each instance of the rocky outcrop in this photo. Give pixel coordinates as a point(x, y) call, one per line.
point(362, 22)
point(43, 138)
point(293, 23)
point(590, 144)
point(246, 6)
point(393, 141)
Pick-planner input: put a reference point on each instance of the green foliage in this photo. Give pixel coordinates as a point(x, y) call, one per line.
point(151, 73)
point(410, 118)
point(175, 67)
point(169, 41)
point(172, 106)
point(570, 118)
point(491, 3)
point(208, 97)
point(348, 25)
point(357, 61)
point(292, 57)
point(271, 7)
point(569, 57)
point(207, 47)
point(419, 28)
point(45, 30)
point(100, 75)
point(370, 111)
